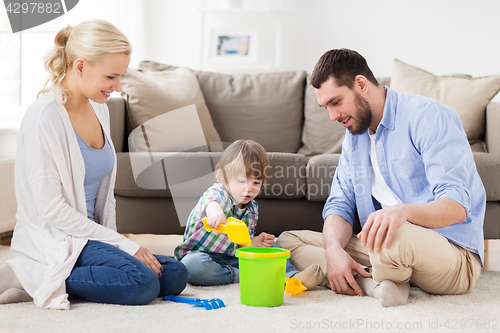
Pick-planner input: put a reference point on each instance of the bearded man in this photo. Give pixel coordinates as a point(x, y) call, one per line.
point(408, 172)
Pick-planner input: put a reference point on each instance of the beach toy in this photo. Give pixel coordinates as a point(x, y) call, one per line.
point(208, 304)
point(262, 275)
point(294, 286)
point(236, 230)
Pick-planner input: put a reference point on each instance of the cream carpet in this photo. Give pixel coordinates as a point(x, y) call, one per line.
point(311, 311)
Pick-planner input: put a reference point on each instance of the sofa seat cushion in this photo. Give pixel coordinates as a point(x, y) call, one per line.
point(188, 175)
point(165, 174)
point(145, 186)
point(321, 135)
point(468, 96)
point(321, 169)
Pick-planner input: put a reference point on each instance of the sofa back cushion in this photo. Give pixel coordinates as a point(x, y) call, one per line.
point(468, 96)
point(188, 175)
point(153, 96)
point(320, 135)
point(267, 107)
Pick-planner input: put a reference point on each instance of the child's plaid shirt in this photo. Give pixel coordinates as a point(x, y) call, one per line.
point(196, 238)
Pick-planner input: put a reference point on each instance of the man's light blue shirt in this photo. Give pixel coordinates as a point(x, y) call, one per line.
point(424, 155)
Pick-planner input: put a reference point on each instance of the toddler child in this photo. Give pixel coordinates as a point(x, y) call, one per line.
point(210, 256)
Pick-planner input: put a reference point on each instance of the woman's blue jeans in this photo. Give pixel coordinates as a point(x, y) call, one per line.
point(212, 269)
point(106, 274)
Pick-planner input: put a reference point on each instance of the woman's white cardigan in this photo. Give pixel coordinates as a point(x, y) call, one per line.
point(52, 225)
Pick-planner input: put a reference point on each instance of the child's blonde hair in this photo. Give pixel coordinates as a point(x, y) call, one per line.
point(243, 156)
point(89, 40)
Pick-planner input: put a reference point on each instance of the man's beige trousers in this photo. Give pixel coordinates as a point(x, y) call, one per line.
point(422, 255)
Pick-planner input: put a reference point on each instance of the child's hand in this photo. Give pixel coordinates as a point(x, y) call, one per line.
point(216, 220)
point(263, 240)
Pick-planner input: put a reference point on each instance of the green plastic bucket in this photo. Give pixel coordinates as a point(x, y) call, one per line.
point(262, 275)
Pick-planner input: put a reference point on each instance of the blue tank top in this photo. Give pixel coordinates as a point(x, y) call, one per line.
point(98, 164)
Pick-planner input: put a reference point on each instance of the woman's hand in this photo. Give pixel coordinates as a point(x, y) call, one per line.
point(149, 260)
point(263, 240)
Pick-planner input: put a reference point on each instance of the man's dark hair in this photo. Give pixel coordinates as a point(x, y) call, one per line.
point(343, 65)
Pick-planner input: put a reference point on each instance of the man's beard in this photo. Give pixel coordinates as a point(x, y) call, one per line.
point(363, 114)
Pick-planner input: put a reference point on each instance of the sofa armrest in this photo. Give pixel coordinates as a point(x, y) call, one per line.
point(117, 116)
point(492, 135)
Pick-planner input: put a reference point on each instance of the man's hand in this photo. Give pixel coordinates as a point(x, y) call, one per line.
point(380, 225)
point(340, 266)
point(263, 240)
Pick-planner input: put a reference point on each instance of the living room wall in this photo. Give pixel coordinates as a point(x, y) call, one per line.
point(440, 36)
point(443, 36)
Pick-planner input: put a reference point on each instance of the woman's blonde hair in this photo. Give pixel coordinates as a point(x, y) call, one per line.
point(243, 156)
point(89, 40)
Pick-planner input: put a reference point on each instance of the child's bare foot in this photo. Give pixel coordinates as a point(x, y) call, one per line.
point(311, 276)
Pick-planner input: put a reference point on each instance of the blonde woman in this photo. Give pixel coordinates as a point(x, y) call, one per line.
point(65, 241)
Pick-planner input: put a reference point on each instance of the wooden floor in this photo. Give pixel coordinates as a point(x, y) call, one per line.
point(491, 253)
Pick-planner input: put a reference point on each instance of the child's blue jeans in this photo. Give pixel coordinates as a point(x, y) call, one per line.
point(212, 269)
point(106, 274)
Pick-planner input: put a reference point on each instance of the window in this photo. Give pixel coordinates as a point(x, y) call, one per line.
point(21, 54)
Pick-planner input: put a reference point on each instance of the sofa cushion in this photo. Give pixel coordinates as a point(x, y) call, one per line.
point(320, 135)
point(165, 174)
point(468, 96)
point(267, 108)
point(286, 177)
point(320, 171)
point(153, 66)
point(159, 95)
point(188, 175)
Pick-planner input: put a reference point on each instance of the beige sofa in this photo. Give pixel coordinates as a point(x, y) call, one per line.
point(280, 111)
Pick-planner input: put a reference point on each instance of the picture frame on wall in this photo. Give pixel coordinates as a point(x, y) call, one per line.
point(233, 47)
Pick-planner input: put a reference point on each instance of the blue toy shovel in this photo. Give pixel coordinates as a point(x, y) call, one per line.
point(208, 304)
